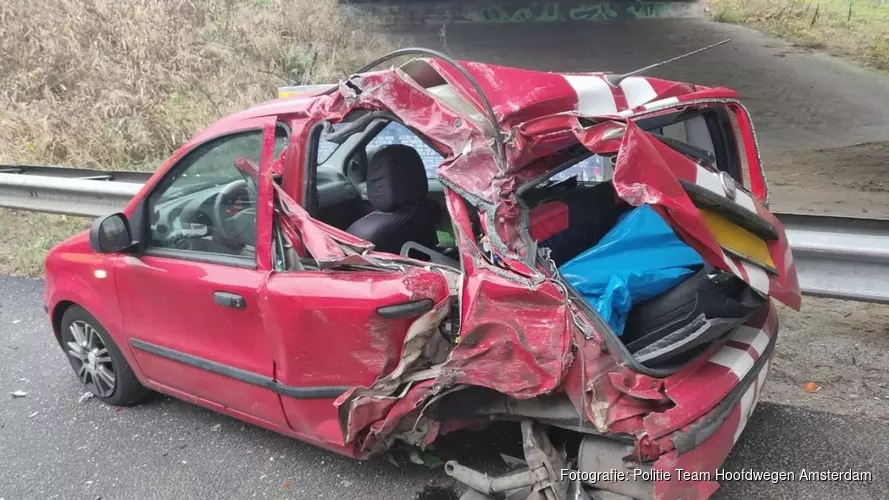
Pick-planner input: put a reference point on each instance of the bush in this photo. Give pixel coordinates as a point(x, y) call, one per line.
point(119, 84)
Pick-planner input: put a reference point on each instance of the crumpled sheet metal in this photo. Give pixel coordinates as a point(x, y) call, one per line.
point(362, 406)
point(517, 329)
point(648, 172)
point(514, 332)
point(602, 402)
point(326, 244)
point(514, 339)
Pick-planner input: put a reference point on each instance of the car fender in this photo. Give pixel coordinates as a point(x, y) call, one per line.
point(76, 275)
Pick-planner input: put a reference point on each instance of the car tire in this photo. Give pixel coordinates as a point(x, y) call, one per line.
point(97, 361)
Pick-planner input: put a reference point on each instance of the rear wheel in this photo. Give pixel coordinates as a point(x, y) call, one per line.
point(97, 361)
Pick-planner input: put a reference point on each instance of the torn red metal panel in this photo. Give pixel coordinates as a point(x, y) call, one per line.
point(360, 407)
point(327, 244)
point(648, 172)
point(471, 165)
point(514, 336)
point(601, 402)
point(519, 95)
point(405, 419)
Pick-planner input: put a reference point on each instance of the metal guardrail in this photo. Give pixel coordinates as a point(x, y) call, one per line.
point(840, 257)
point(836, 257)
point(69, 191)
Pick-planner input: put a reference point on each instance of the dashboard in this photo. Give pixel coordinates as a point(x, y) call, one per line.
point(187, 222)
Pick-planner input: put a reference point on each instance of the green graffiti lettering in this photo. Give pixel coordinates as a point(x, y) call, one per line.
point(591, 12)
point(646, 10)
point(522, 15)
point(493, 14)
point(549, 11)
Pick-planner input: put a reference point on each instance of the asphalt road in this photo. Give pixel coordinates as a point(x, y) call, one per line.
point(53, 447)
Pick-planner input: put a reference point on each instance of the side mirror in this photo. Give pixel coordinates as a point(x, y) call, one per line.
point(111, 234)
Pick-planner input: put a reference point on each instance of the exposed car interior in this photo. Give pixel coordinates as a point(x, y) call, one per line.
point(375, 179)
point(396, 188)
point(569, 215)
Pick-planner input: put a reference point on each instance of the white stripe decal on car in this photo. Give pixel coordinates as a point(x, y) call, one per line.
point(709, 181)
point(754, 337)
point(757, 277)
point(747, 403)
point(731, 265)
point(746, 201)
point(737, 360)
point(594, 96)
point(637, 90)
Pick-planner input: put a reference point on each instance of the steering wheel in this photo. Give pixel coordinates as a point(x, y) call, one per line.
point(239, 226)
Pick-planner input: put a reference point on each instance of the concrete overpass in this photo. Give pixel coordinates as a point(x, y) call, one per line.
point(438, 12)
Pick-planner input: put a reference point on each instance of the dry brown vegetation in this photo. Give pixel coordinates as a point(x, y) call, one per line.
point(119, 84)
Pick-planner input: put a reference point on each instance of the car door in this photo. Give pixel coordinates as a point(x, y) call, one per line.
point(335, 327)
point(190, 299)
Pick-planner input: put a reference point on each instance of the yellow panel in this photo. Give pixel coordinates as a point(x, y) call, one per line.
point(738, 240)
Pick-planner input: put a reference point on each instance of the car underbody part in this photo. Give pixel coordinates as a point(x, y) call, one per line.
point(540, 481)
point(598, 454)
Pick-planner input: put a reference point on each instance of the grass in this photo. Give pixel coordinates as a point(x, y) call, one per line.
point(27, 236)
point(861, 34)
point(120, 84)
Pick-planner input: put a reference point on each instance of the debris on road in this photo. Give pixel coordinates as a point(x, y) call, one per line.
point(424, 457)
point(19, 394)
point(85, 396)
point(812, 387)
point(216, 427)
point(34, 414)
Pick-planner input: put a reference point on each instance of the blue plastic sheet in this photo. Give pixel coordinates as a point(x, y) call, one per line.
point(639, 258)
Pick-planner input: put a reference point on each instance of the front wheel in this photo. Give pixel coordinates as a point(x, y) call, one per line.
point(97, 361)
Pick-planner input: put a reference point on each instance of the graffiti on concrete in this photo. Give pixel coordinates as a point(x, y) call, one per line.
point(548, 11)
point(524, 12)
point(647, 10)
point(592, 12)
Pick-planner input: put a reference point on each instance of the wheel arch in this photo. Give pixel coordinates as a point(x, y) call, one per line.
point(56, 317)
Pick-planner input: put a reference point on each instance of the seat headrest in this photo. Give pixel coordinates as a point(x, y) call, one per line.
point(396, 177)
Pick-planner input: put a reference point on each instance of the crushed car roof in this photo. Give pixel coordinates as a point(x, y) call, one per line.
point(515, 95)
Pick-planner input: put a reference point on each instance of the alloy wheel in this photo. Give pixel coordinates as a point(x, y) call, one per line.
point(91, 359)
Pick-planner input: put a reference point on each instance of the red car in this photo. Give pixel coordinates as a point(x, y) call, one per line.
point(384, 261)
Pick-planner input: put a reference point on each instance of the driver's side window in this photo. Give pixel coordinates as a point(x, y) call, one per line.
point(207, 202)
